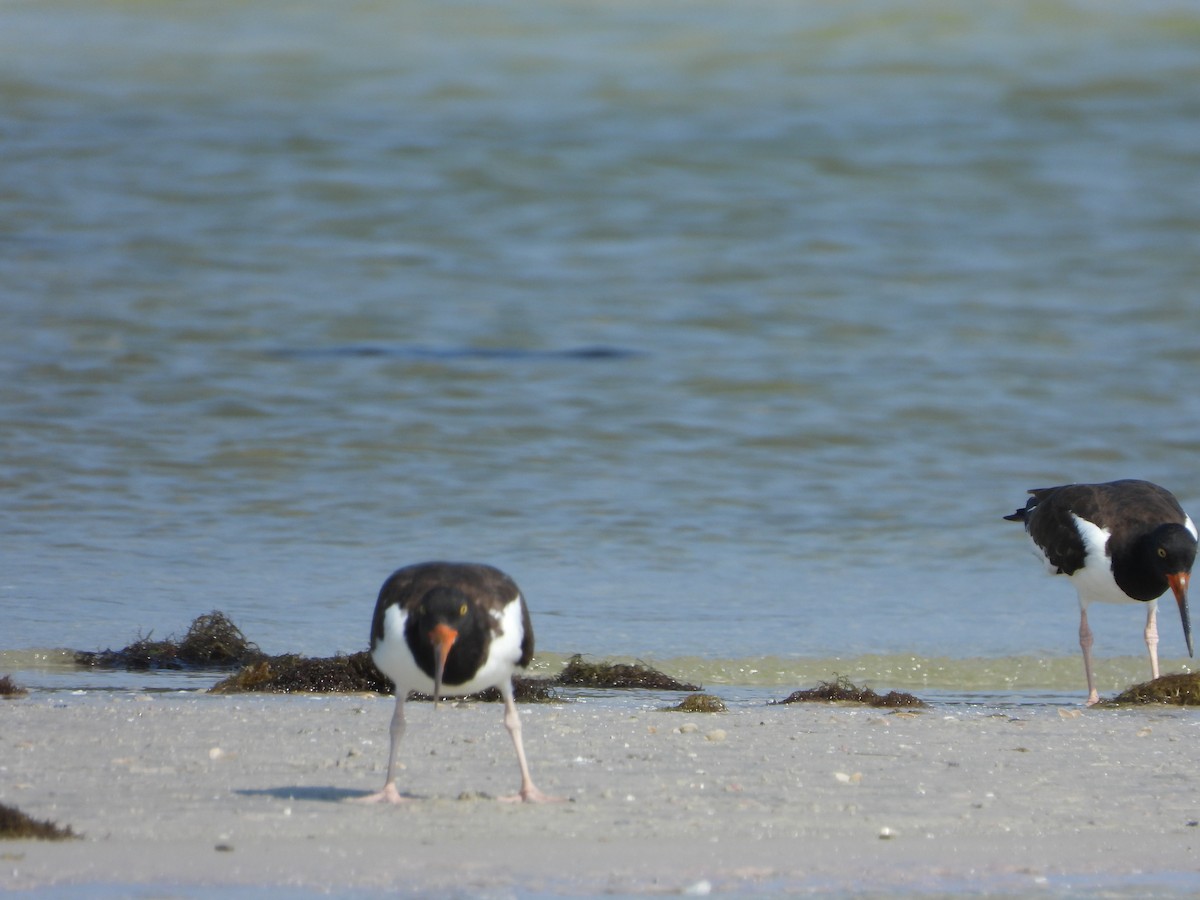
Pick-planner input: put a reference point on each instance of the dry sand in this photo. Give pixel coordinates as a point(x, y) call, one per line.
point(196, 790)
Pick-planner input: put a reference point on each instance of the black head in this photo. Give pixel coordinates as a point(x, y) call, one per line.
point(441, 605)
point(446, 636)
point(1170, 551)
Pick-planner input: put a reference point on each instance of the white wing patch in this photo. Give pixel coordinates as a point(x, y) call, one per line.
point(504, 653)
point(1094, 582)
point(1190, 526)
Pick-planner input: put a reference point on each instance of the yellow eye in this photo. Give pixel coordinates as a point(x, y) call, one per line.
point(1162, 553)
point(462, 610)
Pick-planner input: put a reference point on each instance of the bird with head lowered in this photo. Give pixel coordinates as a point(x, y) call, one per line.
point(446, 628)
point(1119, 542)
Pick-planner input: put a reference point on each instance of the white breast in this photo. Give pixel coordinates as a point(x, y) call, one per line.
point(392, 656)
point(1094, 582)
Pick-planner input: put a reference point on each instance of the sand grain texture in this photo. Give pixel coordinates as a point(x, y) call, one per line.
point(254, 790)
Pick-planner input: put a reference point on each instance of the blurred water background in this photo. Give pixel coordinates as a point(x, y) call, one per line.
point(730, 330)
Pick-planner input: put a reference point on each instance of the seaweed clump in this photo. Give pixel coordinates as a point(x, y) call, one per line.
point(212, 642)
point(142, 654)
point(1175, 690)
point(578, 673)
point(356, 673)
point(842, 690)
point(698, 703)
point(15, 824)
point(291, 673)
point(9, 689)
point(525, 690)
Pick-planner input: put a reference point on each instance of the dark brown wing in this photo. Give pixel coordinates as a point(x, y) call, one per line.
point(1140, 506)
point(1048, 519)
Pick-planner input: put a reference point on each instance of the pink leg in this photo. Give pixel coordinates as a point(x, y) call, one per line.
point(512, 721)
point(1085, 644)
point(1152, 637)
point(389, 794)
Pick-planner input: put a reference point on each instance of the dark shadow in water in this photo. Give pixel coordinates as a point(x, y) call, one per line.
point(407, 351)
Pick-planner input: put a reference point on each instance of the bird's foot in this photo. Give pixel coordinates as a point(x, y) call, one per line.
point(531, 794)
point(1093, 699)
point(389, 794)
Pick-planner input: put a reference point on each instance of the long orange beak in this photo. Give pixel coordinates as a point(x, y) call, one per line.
point(1179, 587)
point(444, 637)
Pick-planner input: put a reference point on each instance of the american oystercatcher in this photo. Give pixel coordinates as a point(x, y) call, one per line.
point(1118, 542)
point(451, 628)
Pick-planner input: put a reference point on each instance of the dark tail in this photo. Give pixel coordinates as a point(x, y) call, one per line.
point(1022, 514)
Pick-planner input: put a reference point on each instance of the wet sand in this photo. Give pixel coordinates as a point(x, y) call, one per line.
point(196, 790)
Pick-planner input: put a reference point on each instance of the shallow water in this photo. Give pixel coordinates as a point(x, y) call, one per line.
point(942, 682)
point(730, 332)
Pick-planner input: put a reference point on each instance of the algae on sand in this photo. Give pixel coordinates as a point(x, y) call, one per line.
point(698, 703)
point(1176, 690)
point(842, 690)
point(212, 641)
point(291, 673)
point(16, 825)
point(579, 673)
point(525, 690)
point(355, 673)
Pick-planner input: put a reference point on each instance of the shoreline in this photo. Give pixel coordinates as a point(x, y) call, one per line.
point(224, 791)
point(1055, 678)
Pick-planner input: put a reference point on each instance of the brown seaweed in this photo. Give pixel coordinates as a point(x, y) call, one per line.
point(142, 654)
point(291, 673)
point(212, 642)
point(525, 690)
point(9, 689)
point(842, 690)
point(356, 673)
point(1175, 690)
point(578, 673)
point(15, 824)
point(698, 703)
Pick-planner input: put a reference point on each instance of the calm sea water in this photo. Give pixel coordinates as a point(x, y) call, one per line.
point(730, 330)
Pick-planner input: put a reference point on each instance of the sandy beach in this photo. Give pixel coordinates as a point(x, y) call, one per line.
point(201, 791)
